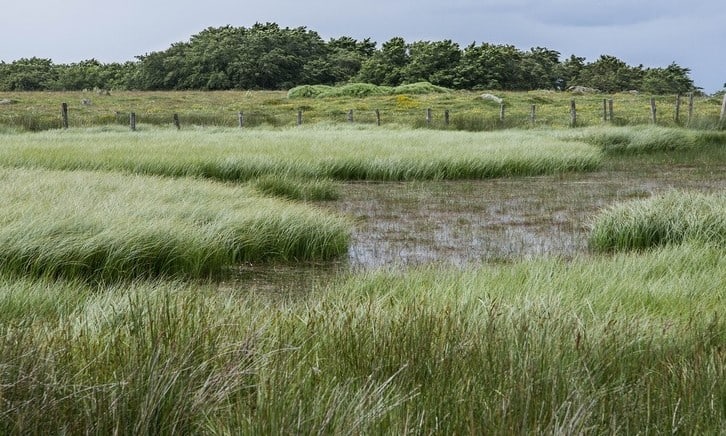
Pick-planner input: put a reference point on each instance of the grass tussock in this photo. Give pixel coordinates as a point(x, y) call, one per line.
point(316, 153)
point(647, 139)
point(297, 188)
point(671, 218)
point(361, 90)
point(110, 226)
point(619, 345)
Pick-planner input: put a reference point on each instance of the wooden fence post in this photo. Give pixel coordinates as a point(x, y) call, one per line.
point(428, 117)
point(350, 115)
point(378, 117)
point(176, 121)
point(690, 108)
point(573, 113)
point(533, 114)
point(132, 121)
point(653, 116)
point(446, 117)
point(299, 117)
point(677, 116)
point(611, 113)
point(722, 117)
point(501, 112)
point(64, 115)
point(604, 110)
point(240, 119)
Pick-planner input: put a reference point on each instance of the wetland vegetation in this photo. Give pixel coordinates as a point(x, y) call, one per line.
point(447, 281)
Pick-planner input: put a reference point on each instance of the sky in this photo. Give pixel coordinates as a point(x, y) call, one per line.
point(653, 33)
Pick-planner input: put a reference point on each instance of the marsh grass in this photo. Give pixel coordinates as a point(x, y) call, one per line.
point(624, 344)
point(297, 188)
point(670, 218)
point(650, 139)
point(352, 153)
point(41, 110)
point(109, 226)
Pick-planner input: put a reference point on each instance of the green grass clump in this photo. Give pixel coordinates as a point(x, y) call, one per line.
point(308, 91)
point(420, 88)
point(646, 139)
point(351, 153)
point(297, 188)
point(626, 344)
point(109, 226)
point(671, 218)
point(357, 90)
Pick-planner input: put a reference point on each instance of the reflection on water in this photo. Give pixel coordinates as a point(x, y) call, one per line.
point(471, 222)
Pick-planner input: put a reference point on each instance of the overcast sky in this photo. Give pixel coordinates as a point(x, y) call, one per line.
point(649, 32)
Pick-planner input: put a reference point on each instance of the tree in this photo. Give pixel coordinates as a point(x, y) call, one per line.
point(433, 62)
point(385, 67)
point(33, 74)
point(540, 68)
point(490, 66)
point(670, 80)
point(610, 74)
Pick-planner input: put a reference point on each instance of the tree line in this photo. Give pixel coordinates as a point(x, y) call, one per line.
point(267, 56)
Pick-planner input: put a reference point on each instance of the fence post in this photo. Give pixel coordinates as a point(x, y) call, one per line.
point(678, 108)
point(604, 110)
point(64, 115)
point(132, 121)
point(690, 108)
point(428, 117)
point(350, 115)
point(722, 117)
point(240, 119)
point(378, 117)
point(176, 121)
point(533, 114)
point(299, 117)
point(501, 112)
point(573, 113)
point(611, 113)
point(446, 117)
point(653, 117)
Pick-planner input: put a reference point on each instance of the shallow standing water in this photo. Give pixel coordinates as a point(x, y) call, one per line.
point(463, 223)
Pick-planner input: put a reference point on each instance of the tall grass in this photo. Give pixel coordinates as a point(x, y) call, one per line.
point(646, 139)
point(626, 344)
point(110, 226)
point(336, 153)
point(671, 218)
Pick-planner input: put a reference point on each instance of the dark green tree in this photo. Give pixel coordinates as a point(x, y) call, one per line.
point(540, 68)
point(433, 62)
point(386, 66)
point(673, 79)
point(489, 66)
point(609, 74)
point(33, 74)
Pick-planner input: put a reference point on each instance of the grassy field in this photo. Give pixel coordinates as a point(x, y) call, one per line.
point(362, 153)
point(623, 344)
point(130, 299)
point(41, 110)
